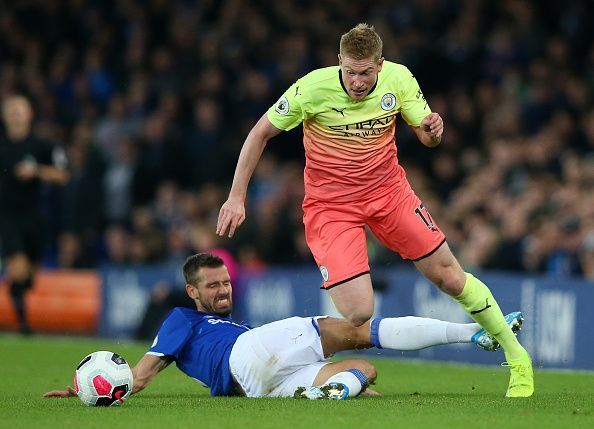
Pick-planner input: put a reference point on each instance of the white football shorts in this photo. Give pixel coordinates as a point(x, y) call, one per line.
point(275, 359)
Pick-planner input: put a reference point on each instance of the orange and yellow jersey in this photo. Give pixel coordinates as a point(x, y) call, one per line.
point(349, 144)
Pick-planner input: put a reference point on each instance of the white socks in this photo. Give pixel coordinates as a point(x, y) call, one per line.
point(415, 333)
point(461, 332)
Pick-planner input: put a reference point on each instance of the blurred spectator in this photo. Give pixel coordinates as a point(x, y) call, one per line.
point(71, 253)
point(82, 201)
point(113, 129)
point(587, 256)
point(116, 245)
point(118, 182)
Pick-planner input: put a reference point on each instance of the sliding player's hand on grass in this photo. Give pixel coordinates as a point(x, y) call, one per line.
point(370, 392)
point(60, 393)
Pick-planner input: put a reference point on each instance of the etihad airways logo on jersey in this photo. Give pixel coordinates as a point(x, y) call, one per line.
point(215, 321)
point(371, 127)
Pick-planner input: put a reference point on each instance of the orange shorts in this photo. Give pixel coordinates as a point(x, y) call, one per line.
point(335, 232)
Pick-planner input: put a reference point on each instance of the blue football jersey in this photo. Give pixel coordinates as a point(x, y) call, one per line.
point(200, 344)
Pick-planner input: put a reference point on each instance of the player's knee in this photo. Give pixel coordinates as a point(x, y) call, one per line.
point(452, 281)
point(370, 372)
point(368, 369)
point(444, 271)
point(449, 277)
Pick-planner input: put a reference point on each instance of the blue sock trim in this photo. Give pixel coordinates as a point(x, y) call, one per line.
point(374, 332)
point(360, 376)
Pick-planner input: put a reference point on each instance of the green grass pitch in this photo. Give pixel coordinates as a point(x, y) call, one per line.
point(415, 395)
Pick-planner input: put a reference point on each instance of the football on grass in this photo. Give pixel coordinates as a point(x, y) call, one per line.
point(103, 379)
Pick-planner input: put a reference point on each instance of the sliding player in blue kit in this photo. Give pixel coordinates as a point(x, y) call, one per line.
point(286, 358)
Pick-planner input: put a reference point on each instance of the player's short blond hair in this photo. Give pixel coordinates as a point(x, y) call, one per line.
point(361, 42)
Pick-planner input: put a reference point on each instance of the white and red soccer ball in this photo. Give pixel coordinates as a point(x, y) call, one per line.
point(103, 379)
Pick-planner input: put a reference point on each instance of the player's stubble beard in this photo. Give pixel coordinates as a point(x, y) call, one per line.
point(211, 307)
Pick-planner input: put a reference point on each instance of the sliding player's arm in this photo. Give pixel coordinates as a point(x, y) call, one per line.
point(147, 369)
point(143, 373)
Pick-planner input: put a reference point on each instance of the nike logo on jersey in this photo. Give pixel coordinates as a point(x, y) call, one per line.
point(341, 111)
point(482, 309)
point(296, 91)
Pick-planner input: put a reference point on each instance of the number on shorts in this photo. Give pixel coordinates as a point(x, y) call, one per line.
point(423, 213)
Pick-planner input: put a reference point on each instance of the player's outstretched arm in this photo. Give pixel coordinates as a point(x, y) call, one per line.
point(143, 373)
point(430, 130)
point(147, 369)
point(232, 213)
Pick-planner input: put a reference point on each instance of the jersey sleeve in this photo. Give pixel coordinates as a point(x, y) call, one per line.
point(287, 112)
point(172, 336)
point(414, 107)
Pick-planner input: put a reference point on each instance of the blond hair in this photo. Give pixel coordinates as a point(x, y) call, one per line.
point(361, 42)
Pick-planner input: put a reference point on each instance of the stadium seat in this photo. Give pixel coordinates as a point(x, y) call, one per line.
point(60, 302)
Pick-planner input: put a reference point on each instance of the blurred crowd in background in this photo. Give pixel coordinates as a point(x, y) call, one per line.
point(152, 100)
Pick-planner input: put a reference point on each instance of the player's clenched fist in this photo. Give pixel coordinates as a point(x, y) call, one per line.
point(232, 215)
point(433, 124)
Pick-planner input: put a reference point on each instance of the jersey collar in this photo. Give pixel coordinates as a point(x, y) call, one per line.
point(344, 87)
